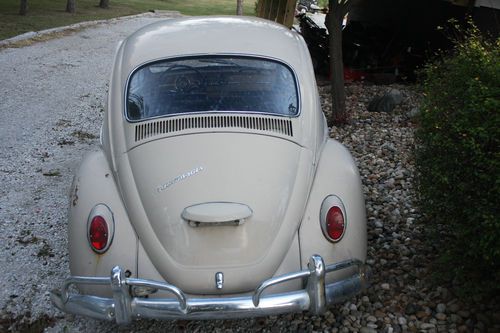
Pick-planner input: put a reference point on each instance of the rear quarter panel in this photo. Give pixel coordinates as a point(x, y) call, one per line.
point(94, 184)
point(336, 174)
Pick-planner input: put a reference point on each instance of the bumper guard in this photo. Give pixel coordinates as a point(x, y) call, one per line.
point(123, 307)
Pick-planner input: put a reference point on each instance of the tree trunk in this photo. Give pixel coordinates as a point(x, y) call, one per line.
point(239, 7)
point(104, 4)
point(336, 13)
point(24, 7)
point(70, 6)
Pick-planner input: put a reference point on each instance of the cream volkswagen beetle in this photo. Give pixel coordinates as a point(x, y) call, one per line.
point(216, 191)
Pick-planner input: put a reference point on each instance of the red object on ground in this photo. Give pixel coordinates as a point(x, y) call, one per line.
point(352, 75)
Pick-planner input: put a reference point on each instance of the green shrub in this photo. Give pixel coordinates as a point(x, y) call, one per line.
point(458, 161)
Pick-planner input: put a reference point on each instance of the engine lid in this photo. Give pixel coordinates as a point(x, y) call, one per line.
point(216, 179)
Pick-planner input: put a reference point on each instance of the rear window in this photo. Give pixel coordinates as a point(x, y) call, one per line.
point(212, 84)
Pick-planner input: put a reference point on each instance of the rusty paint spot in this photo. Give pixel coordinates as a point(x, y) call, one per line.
point(96, 262)
point(75, 196)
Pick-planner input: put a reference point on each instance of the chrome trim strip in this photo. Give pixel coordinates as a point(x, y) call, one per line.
point(81, 280)
point(222, 308)
point(343, 264)
point(219, 280)
point(179, 294)
point(121, 296)
point(316, 284)
point(271, 282)
point(123, 308)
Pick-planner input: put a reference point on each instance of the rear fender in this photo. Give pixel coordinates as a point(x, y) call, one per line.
point(336, 174)
point(94, 184)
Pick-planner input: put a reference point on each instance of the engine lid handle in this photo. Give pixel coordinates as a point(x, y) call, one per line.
point(216, 213)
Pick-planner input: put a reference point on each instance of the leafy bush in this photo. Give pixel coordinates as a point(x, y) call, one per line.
point(458, 161)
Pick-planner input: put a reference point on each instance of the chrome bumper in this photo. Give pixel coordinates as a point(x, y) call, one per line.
point(123, 307)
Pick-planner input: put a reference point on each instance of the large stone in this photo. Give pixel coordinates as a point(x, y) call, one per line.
point(421, 314)
point(440, 316)
point(441, 308)
point(456, 319)
point(396, 96)
point(427, 326)
point(387, 102)
point(402, 321)
point(412, 308)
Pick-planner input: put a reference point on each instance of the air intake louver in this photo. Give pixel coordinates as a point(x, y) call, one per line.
point(165, 126)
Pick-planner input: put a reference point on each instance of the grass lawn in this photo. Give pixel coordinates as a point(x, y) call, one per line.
point(44, 14)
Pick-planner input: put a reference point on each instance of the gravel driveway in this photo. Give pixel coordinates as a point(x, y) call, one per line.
point(52, 100)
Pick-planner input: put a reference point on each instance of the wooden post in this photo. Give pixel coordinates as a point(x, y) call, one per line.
point(274, 10)
point(281, 12)
point(239, 7)
point(289, 13)
point(104, 4)
point(70, 6)
point(267, 9)
point(23, 9)
point(258, 10)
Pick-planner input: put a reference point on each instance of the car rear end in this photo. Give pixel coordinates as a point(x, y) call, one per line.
point(204, 201)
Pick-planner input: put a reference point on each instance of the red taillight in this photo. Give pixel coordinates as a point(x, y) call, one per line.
point(98, 233)
point(335, 224)
point(332, 218)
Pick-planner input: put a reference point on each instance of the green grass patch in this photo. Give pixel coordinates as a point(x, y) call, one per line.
point(45, 14)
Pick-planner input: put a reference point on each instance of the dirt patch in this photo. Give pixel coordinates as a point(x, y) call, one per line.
point(40, 38)
point(23, 324)
point(83, 136)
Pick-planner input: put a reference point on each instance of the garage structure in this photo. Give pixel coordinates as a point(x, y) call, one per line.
point(281, 11)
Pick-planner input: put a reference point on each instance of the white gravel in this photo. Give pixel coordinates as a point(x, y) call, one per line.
point(52, 98)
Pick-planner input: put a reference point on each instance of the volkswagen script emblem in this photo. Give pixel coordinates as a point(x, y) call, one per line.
point(177, 179)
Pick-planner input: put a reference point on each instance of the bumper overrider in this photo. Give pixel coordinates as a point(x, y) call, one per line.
point(123, 307)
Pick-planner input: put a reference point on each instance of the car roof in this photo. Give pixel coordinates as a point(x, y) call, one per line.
point(211, 35)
